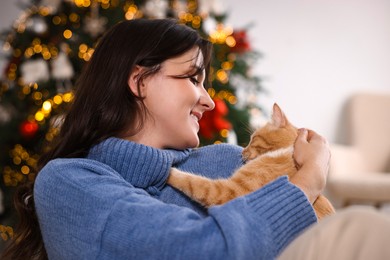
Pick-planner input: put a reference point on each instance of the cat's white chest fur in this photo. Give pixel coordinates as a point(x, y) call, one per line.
point(279, 152)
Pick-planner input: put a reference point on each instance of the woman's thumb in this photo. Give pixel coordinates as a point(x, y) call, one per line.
point(302, 134)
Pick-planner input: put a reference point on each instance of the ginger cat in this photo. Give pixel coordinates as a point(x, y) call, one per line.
point(268, 156)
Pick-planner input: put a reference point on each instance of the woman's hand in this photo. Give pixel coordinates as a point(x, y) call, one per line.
point(312, 155)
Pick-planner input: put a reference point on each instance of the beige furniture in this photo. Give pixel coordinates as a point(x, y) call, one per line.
point(360, 171)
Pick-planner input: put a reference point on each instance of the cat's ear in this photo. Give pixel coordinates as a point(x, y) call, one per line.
point(278, 117)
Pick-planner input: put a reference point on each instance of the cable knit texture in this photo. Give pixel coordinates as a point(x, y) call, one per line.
point(115, 204)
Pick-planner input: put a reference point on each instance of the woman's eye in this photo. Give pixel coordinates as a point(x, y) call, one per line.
point(194, 81)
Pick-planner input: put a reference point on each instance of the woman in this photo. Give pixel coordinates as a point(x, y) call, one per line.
point(101, 193)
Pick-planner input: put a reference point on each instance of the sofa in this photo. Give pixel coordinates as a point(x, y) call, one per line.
point(360, 167)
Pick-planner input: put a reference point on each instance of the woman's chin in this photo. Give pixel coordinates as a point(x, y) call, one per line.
point(193, 142)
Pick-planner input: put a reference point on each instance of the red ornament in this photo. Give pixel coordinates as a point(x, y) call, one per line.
point(213, 121)
point(28, 129)
point(242, 42)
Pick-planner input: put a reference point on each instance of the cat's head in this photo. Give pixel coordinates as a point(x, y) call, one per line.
point(277, 133)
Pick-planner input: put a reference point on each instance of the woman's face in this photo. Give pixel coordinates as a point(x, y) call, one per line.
point(175, 101)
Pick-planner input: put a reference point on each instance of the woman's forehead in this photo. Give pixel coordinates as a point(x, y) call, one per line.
point(192, 58)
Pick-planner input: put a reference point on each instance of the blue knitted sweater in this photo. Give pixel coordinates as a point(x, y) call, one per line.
point(115, 204)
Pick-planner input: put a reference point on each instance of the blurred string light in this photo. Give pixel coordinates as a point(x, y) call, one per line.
point(26, 164)
point(47, 51)
point(50, 104)
point(62, 19)
point(6, 232)
point(105, 4)
point(82, 3)
point(85, 52)
point(131, 11)
point(188, 18)
point(220, 34)
point(24, 161)
point(67, 34)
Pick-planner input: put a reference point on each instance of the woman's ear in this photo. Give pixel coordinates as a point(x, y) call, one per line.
point(133, 81)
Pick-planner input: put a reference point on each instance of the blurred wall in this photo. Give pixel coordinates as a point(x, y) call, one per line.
point(315, 53)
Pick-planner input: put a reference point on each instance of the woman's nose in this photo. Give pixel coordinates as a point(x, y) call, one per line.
point(206, 101)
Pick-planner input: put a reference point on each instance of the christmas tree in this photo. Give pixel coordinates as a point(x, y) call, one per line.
point(52, 40)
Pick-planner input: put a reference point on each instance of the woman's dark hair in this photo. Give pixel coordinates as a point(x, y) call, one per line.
point(104, 105)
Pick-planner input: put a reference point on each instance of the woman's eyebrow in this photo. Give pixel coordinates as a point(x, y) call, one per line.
point(193, 71)
point(198, 70)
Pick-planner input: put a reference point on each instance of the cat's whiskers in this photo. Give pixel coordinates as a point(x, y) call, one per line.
point(279, 152)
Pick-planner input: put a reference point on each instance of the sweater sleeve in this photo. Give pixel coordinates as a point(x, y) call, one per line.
point(257, 226)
